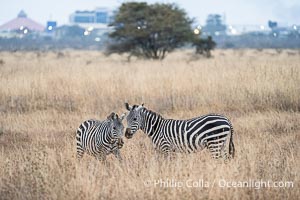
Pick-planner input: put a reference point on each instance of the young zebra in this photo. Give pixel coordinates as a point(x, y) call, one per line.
point(211, 131)
point(100, 138)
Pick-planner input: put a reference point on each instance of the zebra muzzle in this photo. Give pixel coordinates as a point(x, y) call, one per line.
point(120, 143)
point(128, 133)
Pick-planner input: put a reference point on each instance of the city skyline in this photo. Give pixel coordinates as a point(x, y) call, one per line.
point(236, 12)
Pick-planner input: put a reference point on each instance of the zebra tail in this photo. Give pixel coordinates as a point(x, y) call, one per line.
point(231, 145)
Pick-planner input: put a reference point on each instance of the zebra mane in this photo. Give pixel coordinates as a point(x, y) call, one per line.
point(134, 106)
point(152, 112)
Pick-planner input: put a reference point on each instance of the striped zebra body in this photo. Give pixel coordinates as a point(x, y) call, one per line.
point(212, 131)
point(100, 138)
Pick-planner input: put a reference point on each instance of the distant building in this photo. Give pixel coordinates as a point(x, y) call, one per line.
point(98, 18)
point(22, 24)
point(214, 26)
point(51, 26)
point(244, 29)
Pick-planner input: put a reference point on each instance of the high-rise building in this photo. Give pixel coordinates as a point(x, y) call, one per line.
point(98, 18)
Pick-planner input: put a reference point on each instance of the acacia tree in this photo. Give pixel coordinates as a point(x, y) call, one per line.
point(149, 31)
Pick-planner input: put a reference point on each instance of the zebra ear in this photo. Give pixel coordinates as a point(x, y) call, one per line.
point(140, 107)
point(111, 116)
point(142, 104)
point(122, 116)
point(127, 106)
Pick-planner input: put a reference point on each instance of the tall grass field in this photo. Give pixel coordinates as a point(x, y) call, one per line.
point(44, 96)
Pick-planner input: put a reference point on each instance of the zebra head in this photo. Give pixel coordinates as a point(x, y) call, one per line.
point(116, 126)
point(134, 119)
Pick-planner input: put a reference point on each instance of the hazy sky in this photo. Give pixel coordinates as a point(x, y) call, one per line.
point(250, 12)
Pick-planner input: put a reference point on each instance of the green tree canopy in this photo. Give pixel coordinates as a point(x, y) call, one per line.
point(149, 31)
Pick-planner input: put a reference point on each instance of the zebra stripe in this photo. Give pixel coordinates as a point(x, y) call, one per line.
point(100, 138)
point(212, 131)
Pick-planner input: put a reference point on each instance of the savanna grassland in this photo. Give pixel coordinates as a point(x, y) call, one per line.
point(44, 96)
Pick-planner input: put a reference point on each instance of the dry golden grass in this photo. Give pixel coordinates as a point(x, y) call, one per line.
point(45, 96)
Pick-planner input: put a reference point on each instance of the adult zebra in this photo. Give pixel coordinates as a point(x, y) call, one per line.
point(100, 138)
point(212, 131)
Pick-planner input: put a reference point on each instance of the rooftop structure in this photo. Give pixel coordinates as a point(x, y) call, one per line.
point(22, 23)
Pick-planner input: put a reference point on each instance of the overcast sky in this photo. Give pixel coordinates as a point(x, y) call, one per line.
point(238, 12)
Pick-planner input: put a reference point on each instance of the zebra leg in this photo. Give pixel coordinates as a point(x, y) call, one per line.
point(116, 149)
point(166, 154)
point(223, 150)
point(218, 147)
point(79, 154)
point(80, 151)
point(166, 151)
point(228, 148)
point(161, 156)
point(215, 152)
point(102, 158)
point(101, 155)
point(117, 154)
point(79, 148)
point(163, 146)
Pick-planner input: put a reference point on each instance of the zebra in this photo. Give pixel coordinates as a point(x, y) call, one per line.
point(100, 138)
point(212, 131)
